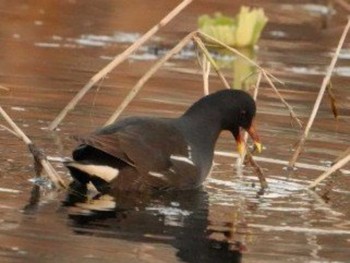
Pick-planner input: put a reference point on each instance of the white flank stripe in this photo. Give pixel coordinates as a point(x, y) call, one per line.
point(182, 159)
point(104, 172)
point(155, 174)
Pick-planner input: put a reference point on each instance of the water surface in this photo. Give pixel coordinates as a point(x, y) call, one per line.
point(50, 49)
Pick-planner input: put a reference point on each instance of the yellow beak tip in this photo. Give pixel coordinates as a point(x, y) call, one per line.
point(258, 146)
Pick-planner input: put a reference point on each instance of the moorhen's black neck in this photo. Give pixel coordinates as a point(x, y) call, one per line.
point(219, 111)
point(203, 121)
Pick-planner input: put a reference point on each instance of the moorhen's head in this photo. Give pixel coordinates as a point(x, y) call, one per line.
point(238, 110)
point(245, 115)
point(232, 109)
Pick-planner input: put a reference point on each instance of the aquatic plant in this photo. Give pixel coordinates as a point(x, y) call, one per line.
point(243, 30)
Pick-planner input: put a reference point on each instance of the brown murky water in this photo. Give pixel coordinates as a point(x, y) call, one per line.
point(50, 49)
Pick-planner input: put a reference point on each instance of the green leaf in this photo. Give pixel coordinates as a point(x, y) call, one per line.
point(243, 30)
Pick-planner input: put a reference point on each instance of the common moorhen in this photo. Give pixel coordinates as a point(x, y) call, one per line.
point(143, 153)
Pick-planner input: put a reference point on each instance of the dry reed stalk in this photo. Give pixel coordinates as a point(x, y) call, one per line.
point(39, 157)
point(206, 73)
point(148, 75)
point(187, 71)
point(331, 170)
point(8, 190)
point(205, 51)
point(266, 74)
point(257, 85)
point(255, 96)
point(239, 54)
point(116, 61)
point(324, 85)
point(291, 112)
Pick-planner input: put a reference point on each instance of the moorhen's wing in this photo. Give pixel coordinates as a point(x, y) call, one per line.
point(144, 145)
point(108, 143)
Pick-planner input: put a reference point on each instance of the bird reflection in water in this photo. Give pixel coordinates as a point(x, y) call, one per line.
point(176, 218)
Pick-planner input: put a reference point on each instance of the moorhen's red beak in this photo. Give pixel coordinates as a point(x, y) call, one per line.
point(255, 137)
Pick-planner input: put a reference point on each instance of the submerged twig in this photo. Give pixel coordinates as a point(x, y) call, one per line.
point(291, 112)
point(147, 75)
point(331, 170)
point(116, 61)
point(37, 154)
point(329, 185)
point(257, 168)
point(323, 202)
point(33, 202)
point(332, 100)
point(205, 51)
point(324, 85)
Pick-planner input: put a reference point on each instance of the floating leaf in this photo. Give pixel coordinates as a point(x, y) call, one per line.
point(261, 22)
point(241, 31)
point(250, 25)
point(220, 27)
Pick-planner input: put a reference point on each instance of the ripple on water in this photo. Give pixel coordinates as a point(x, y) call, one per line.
point(278, 186)
point(89, 40)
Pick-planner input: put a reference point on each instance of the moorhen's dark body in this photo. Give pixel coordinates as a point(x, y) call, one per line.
point(141, 153)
